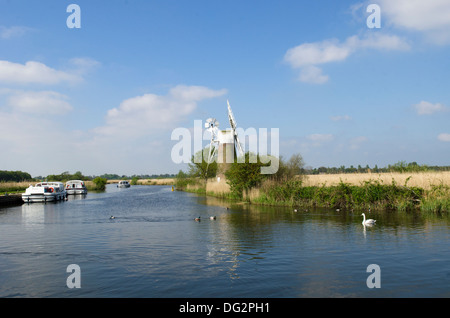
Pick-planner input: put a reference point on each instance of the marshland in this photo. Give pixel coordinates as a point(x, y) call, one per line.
point(401, 187)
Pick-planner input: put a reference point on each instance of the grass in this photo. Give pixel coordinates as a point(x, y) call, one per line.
point(424, 180)
point(424, 191)
point(14, 187)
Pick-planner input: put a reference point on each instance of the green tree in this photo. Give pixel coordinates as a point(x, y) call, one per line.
point(199, 166)
point(295, 165)
point(242, 176)
point(78, 176)
point(14, 176)
point(134, 180)
point(100, 183)
point(290, 169)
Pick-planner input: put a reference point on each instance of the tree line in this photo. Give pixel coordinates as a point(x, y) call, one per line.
point(401, 166)
point(14, 176)
point(19, 176)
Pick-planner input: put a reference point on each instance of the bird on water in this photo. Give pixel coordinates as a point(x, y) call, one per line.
point(368, 221)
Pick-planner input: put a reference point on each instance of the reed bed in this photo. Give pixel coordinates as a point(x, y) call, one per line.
point(425, 191)
point(168, 181)
point(14, 187)
point(424, 180)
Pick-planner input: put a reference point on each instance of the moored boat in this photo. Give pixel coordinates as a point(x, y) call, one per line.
point(76, 187)
point(45, 192)
point(123, 184)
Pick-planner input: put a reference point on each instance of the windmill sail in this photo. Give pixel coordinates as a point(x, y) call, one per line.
point(223, 142)
point(233, 127)
point(211, 125)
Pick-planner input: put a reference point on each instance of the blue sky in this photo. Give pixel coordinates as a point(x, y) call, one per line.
point(105, 98)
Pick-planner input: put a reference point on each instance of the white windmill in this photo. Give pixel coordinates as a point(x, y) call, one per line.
point(223, 142)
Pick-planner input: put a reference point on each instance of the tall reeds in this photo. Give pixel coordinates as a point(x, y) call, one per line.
point(402, 192)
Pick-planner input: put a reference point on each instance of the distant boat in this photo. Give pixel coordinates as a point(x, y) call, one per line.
point(76, 187)
point(123, 184)
point(45, 192)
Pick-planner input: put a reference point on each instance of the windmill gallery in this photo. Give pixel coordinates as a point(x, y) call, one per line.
point(224, 142)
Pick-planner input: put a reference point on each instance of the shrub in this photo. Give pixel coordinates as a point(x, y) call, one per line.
point(100, 183)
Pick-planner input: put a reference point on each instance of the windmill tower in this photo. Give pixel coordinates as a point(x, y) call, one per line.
point(223, 142)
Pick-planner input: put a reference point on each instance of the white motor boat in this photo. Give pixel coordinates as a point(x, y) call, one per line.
point(76, 187)
point(123, 184)
point(45, 192)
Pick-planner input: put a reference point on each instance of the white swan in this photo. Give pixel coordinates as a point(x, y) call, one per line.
point(368, 221)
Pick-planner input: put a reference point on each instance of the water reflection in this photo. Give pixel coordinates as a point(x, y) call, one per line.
point(154, 248)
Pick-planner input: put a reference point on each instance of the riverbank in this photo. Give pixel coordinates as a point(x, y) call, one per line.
point(427, 192)
point(11, 200)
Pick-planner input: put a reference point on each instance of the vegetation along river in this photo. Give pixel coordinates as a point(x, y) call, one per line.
point(154, 248)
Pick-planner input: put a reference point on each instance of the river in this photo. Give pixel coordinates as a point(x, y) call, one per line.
point(154, 248)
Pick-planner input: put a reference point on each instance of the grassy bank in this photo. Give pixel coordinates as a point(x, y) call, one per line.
point(14, 187)
point(428, 192)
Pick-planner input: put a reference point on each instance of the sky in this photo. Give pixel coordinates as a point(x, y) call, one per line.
point(106, 94)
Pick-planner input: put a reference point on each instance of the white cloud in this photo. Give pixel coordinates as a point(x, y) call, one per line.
point(83, 65)
point(431, 17)
point(427, 108)
point(44, 102)
point(33, 72)
point(444, 137)
point(341, 118)
point(312, 74)
point(135, 137)
point(307, 56)
point(13, 31)
point(150, 112)
point(377, 41)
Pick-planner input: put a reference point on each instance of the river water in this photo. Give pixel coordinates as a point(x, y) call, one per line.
point(155, 249)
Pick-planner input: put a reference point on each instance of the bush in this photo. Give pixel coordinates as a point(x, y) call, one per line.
point(242, 176)
point(100, 183)
point(134, 181)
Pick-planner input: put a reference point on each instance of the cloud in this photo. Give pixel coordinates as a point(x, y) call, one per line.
point(377, 41)
point(320, 138)
point(83, 65)
point(444, 137)
point(150, 112)
point(427, 108)
point(33, 72)
point(44, 102)
point(312, 74)
point(341, 118)
point(308, 56)
point(13, 31)
point(432, 17)
point(316, 53)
